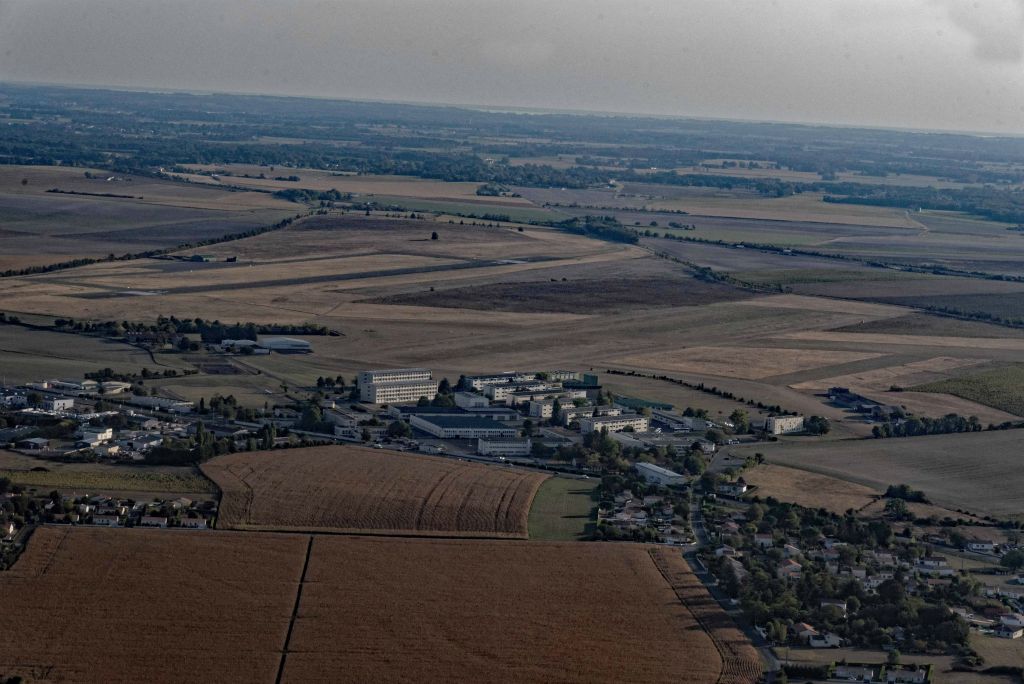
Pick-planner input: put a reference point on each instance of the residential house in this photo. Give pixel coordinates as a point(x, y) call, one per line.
point(826, 640)
point(788, 569)
point(106, 520)
point(981, 546)
point(804, 632)
point(907, 674)
point(765, 541)
point(194, 523)
point(153, 521)
point(1005, 632)
point(1012, 620)
point(790, 551)
point(733, 489)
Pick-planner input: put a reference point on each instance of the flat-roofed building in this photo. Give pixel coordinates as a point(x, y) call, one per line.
point(781, 425)
point(463, 427)
point(615, 423)
point(369, 377)
point(572, 412)
point(397, 392)
point(503, 447)
point(480, 382)
point(471, 400)
point(503, 392)
point(658, 475)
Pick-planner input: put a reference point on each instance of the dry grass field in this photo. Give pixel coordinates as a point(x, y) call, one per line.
point(809, 489)
point(509, 612)
point(742, 362)
point(974, 472)
point(356, 489)
point(97, 605)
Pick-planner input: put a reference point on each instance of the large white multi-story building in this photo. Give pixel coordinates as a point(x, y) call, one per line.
point(397, 392)
point(614, 423)
point(370, 377)
point(781, 425)
point(396, 385)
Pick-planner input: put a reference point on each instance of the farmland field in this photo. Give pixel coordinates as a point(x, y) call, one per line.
point(43, 227)
point(742, 362)
point(925, 324)
point(1002, 388)
point(29, 355)
point(356, 489)
point(562, 510)
point(577, 296)
point(210, 607)
point(376, 608)
point(507, 611)
point(974, 472)
point(808, 489)
point(67, 479)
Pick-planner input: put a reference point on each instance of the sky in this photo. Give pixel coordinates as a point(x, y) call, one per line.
point(929, 64)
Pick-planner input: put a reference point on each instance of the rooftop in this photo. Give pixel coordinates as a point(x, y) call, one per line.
point(657, 469)
point(456, 422)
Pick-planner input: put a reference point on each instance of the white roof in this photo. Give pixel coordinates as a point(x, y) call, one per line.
point(650, 467)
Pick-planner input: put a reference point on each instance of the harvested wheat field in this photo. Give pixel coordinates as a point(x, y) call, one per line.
point(99, 605)
point(503, 611)
point(355, 489)
point(750, 363)
point(809, 489)
point(976, 472)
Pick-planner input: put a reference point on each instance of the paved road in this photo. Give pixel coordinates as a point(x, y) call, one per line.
point(700, 533)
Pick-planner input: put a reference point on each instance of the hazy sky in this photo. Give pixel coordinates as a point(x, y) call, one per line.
point(949, 64)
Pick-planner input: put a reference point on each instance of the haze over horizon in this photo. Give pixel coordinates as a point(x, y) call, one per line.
point(921, 64)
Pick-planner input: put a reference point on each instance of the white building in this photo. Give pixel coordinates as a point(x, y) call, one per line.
point(614, 423)
point(503, 447)
point(96, 436)
point(480, 382)
point(153, 521)
point(58, 404)
point(194, 523)
point(522, 392)
point(371, 377)
point(286, 345)
point(399, 392)
point(106, 520)
point(471, 400)
point(462, 427)
point(782, 425)
point(652, 473)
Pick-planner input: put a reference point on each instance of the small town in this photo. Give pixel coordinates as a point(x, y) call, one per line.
point(794, 577)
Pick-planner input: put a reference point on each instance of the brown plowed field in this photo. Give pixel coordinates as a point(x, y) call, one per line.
point(501, 611)
point(98, 605)
point(354, 489)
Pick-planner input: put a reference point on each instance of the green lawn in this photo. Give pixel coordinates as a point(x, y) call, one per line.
point(563, 510)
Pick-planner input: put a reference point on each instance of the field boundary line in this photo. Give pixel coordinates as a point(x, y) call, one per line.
point(295, 611)
point(736, 666)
